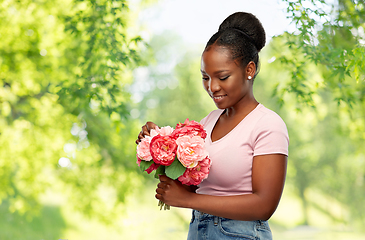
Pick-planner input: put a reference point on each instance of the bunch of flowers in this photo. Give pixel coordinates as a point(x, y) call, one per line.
point(177, 153)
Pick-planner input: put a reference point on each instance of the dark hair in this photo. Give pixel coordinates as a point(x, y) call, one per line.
point(242, 33)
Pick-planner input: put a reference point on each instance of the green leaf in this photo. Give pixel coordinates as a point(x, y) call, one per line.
point(175, 170)
point(160, 171)
point(144, 165)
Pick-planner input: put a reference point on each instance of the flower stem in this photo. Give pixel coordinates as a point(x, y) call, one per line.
point(163, 205)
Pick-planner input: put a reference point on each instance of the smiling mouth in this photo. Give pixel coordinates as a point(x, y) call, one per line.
point(219, 97)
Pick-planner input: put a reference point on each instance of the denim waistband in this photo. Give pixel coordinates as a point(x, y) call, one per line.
point(203, 216)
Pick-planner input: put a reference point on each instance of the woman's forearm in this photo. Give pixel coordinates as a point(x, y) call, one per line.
point(241, 207)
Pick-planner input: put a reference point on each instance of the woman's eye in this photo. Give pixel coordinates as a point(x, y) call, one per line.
point(223, 78)
point(205, 78)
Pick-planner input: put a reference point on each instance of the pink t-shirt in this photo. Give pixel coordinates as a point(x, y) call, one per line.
point(261, 132)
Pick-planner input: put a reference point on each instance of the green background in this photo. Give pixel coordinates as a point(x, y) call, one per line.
point(77, 82)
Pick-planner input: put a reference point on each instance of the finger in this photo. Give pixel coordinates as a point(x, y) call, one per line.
point(150, 125)
point(140, 137)
point(158, 196)
point(160, 191)
point(163, 178)
point(145, 131)
point(163, 186)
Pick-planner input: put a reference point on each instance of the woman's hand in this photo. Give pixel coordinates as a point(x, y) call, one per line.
point(172, 192)
point(145, 131)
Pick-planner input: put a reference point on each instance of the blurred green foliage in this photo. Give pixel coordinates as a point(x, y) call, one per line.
point(322, 91)
point(64, 69)
point(330, 35)
point(48, 224)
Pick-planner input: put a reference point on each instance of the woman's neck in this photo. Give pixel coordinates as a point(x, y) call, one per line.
point(240, 110)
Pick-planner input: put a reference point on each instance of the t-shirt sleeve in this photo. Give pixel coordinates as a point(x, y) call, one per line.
point(270, 136)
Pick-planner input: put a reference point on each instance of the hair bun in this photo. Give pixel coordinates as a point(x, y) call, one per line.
point(248, 24)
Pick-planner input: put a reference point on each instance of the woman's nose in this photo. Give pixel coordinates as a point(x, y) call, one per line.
point(213, 85)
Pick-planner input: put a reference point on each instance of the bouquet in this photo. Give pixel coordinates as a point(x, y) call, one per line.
point(177, 153)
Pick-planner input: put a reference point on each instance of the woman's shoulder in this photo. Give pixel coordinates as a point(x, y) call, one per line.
point(270, 134)
point(211, 116)
point(269, 118)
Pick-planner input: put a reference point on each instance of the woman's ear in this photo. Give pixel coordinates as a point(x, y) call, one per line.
point(250, 70)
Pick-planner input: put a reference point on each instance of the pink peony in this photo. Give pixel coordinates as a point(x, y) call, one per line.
point(191, 128)
point(190, 150)
point(164, 131)
point(143, 149)
point(163, 150)
point(195, 175)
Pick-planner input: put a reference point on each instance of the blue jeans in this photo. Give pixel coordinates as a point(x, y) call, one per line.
point(208, 227)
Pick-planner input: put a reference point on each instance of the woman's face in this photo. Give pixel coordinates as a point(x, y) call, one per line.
point(223, 78)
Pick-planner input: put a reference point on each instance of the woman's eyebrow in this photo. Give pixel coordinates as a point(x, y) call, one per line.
point(219, 71)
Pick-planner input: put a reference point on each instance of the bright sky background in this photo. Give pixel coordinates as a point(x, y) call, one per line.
point(197, 20)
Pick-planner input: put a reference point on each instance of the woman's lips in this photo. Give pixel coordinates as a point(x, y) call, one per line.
point(218, 98)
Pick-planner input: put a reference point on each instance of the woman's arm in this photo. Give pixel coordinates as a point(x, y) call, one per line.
point(268, 177)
